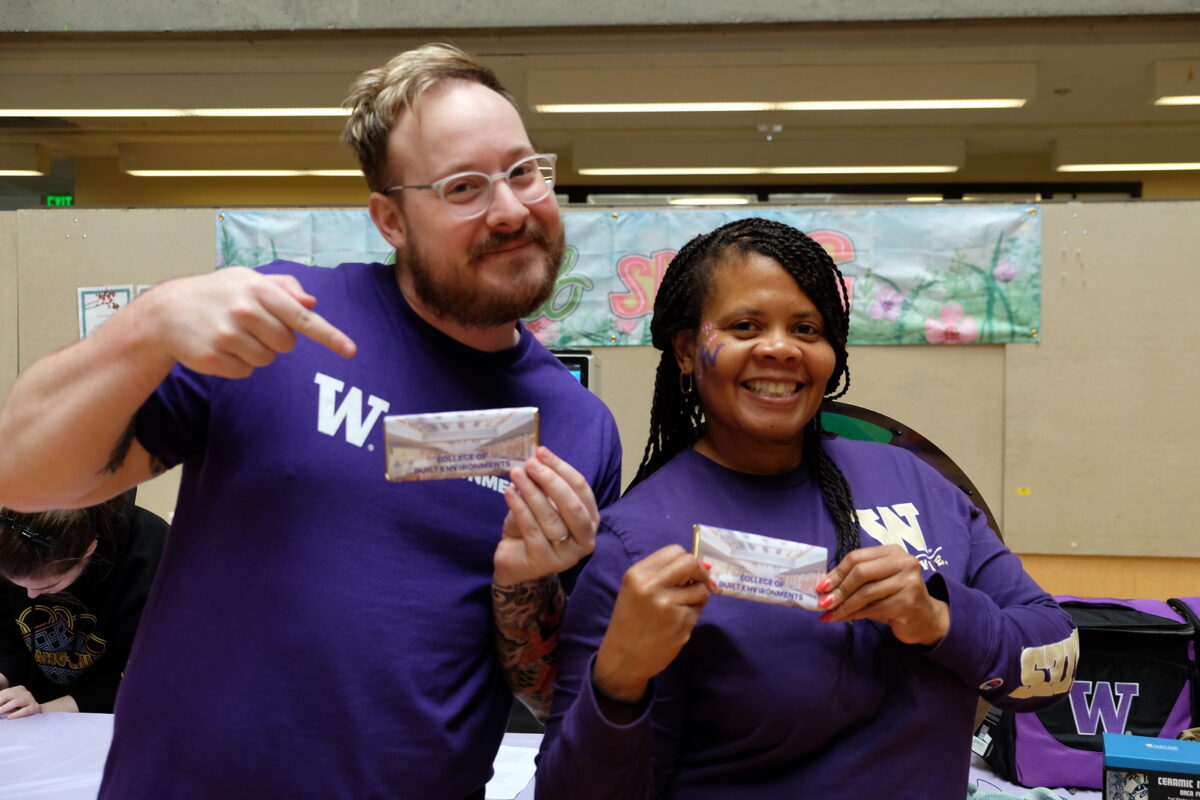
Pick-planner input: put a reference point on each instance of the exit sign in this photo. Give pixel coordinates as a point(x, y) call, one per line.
point(58, 200)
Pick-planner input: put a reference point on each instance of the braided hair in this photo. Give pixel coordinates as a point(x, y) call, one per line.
point(676, 417)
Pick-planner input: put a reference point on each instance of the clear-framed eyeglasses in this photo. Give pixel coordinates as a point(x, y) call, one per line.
point(469, 194)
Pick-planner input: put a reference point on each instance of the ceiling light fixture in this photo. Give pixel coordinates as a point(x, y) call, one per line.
point(170, 112)
point(1175, 82)
point(796, 105)
point(1131, 167)
point(244, 173)
point(695, 156)
point(236, 160)
point(843, 87)
point(23, 160)
point(709, 200)
point(178, 93)
point(888, 169)
point(1127, 154)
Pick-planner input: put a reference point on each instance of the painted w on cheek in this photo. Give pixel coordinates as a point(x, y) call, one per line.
point(708, 353)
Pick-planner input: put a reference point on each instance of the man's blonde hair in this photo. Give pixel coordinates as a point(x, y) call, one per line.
point(379, 96)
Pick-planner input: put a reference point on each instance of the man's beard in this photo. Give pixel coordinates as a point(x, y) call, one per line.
point(446, 291)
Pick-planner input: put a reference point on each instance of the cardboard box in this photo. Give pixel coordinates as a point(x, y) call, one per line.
point(1146, 768)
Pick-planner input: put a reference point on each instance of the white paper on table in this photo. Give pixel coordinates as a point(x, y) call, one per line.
point(514, 767)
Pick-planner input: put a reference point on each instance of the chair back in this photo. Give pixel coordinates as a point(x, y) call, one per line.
point(856, 422)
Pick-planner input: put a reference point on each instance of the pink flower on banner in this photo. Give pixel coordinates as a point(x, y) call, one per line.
point(952, 327)
point(545, 330)
point(627, 325)
point(1005, 271)
point(887, 304)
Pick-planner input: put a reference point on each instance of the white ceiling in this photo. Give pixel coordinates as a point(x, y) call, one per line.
point(1094, 78)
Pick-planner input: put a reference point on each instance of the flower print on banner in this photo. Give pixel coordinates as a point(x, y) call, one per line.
point(887, 304)
point(1005, 271)
point(629, 326)
point(545, 330)
point(952, 326)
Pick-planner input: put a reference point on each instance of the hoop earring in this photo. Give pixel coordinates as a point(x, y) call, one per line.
point(689, 387)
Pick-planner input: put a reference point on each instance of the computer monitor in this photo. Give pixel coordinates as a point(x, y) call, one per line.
point(580, 362)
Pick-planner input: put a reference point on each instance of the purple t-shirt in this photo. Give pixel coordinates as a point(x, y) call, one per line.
point(766, 701)
point(315, 630)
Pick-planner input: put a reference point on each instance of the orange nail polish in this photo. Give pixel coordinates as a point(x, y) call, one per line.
point(706, 565)
point(822, 586)
point(826, 601)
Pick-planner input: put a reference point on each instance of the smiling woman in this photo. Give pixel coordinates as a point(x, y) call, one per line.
point(668, 688)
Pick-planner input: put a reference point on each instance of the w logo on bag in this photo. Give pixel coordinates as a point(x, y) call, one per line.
point(1104, 709)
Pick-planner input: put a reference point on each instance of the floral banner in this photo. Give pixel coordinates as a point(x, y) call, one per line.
point(916, 274)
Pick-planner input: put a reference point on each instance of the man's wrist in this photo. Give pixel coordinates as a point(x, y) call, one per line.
point(499, 583)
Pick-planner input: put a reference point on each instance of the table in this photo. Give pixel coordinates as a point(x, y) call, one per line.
point(60, 756)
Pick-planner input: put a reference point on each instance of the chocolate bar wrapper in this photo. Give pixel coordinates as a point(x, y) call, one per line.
point(761, 568)
point(459, 444)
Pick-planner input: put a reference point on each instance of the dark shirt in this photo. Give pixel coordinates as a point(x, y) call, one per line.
point(77, 642)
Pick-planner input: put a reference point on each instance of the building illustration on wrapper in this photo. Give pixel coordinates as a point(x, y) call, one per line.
point(459, 444)
point(761, 568)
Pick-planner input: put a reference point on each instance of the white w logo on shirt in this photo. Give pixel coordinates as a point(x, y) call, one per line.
point(898, 525)
point(330, 415)
point(885, 525)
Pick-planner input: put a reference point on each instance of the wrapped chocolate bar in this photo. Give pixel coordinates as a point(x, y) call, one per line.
point(760, 567)
point(459, 444)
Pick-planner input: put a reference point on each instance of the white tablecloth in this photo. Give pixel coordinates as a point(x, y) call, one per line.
point(60, 756)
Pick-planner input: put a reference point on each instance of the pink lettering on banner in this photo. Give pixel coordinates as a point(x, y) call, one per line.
point(642, 277)
point(841, 249)
point(838, 245)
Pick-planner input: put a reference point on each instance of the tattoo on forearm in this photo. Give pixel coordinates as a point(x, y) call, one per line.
point(528, 617)
point(120, 451)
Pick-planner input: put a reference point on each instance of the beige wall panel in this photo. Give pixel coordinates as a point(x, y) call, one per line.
point(61, 250)
point(953, 396)
point(626, 386)
point(1100, 440)
point(9, 310)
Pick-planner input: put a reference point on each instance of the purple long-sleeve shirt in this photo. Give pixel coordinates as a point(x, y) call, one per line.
point(766, 701)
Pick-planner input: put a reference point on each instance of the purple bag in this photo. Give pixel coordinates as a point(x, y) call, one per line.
point(1137, 674)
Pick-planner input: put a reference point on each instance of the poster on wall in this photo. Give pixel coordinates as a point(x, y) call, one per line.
point(97, 303)
point(937, 275)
